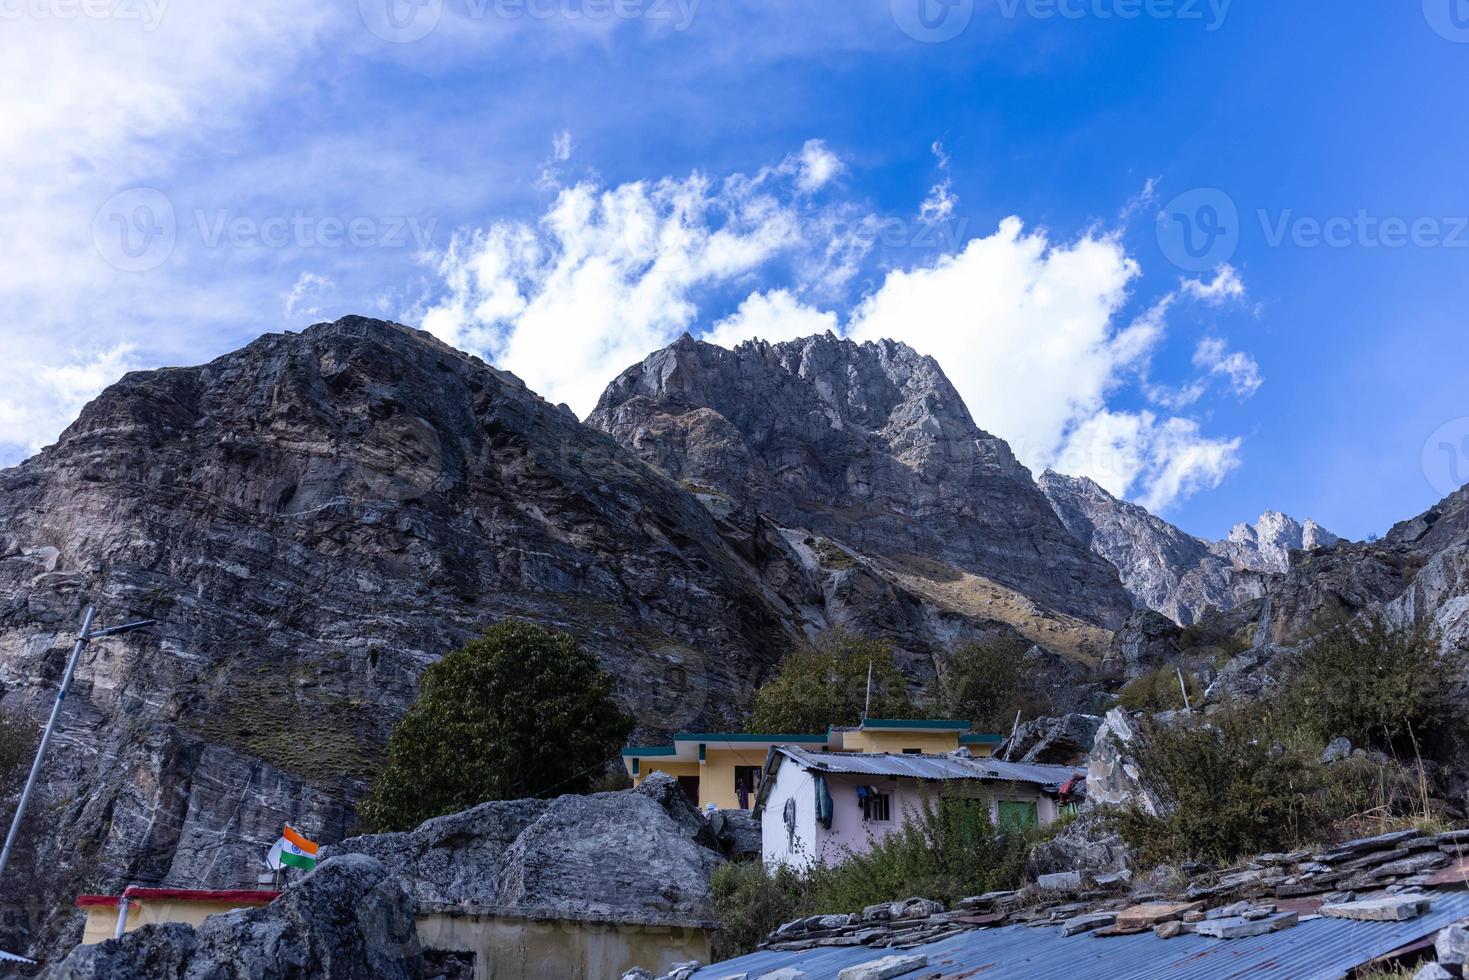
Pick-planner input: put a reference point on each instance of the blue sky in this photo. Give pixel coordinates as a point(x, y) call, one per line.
point(562, 187)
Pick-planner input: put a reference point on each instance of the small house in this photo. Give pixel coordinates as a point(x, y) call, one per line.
point(725, 769)
point(819, 807)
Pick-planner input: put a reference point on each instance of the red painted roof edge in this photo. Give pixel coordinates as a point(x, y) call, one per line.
point(235, 897)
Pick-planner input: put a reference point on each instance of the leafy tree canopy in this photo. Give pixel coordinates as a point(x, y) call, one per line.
point(825, 684)
point(518, 713)
point(985, 683)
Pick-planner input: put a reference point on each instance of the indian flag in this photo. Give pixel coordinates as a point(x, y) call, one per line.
point(293, 850)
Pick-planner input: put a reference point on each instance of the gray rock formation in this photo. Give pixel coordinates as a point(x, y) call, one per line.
point(1061, 741)
point(314, 519)
point(347, 920)
point(642, 855)
point(1162, 567)
point(1265, 546)
point(1147, 641)
point(866, 444)
point(1114, 779)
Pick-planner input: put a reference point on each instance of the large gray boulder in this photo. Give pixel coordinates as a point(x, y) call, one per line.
point(348, 919)
point(642, 855)
point(1061, 741)
point(739, 833)
point(1145, 642)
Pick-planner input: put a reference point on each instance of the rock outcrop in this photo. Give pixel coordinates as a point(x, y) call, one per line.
point(312, 520)
point(1147, 641)
point(1162, 567)
point(347, 920)
point(1061, 741)
point(642, 855)
point(867, 445)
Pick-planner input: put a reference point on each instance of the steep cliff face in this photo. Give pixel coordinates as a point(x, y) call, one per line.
point(313, 519)
point(866, 444)
point(1163, 568)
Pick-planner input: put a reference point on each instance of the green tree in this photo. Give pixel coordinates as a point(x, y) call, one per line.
point(985, 683)
point(824, 684)
point(1378, 684)
point(518, 713)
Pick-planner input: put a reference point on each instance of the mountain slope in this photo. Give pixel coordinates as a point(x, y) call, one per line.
point(868, 444)
point(313, 519)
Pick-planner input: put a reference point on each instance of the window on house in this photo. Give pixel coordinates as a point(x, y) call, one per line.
point(877, 806)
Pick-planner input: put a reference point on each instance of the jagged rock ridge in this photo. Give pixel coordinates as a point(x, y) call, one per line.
point(1168, 570)
point(868, 444)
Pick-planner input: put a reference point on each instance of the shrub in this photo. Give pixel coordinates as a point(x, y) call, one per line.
point(825, 684)
point(521, 712)
point(750, 901)
point(1380, 686)
point(1236, 791)
point(947, 851)
point(984, 683)
point(1158, 690)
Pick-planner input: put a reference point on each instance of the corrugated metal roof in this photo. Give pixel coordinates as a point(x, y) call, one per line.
point(1316, 948)
point(932, 767)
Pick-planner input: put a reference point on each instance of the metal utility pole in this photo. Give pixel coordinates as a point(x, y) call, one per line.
point(83, 638)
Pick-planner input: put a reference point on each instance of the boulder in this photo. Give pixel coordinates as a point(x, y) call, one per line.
point(1337, 749)
point(1146, 641)
point(1089, 843)
point(738, 833)
point(639, 855)
point(1114, 778)
point(1059, 741)
point(346, 920)
point(1452, 945)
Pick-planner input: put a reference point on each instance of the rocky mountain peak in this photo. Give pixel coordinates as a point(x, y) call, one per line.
point(1265, 546)
point(868, 443)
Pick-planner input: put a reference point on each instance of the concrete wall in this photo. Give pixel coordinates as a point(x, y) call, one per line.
point(877, 740)
point(518, 949)
point(101, 922)
point(850, 833)
point(716, 774)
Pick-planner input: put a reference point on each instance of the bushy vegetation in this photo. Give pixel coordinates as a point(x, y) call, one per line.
point(1158, 690)
point(1251, 778)
point(1381, 686)
point(825, 683)
point(985, 683)
point(948, 851)
point(520, 712)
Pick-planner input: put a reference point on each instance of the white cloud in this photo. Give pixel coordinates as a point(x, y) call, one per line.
point(816, 166)
point(941, 200)
point(1225, 286)
point(1238, 367)
point(561, 146)
point(774, 316)
point(1023, 327)
point(308, 286)
point(38, 400)
point(607, 276)
point(1155, 462)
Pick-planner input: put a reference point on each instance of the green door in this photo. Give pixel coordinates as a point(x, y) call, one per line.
point(1018, 815)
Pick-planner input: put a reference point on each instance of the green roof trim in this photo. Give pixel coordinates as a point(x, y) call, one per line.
point(746, 737)
point(981, 738)
point(927, 724)
point(643, 751)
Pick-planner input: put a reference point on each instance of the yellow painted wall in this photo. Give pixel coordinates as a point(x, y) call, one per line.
point(876, 740)
point(102, 919)
point(716, 774)
point(514, 949)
